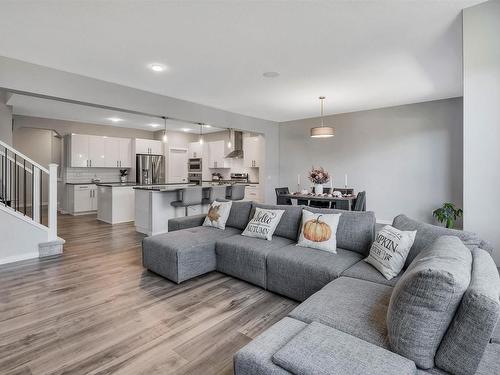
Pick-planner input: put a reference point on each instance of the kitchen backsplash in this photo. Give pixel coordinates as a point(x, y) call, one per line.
point(87, 174)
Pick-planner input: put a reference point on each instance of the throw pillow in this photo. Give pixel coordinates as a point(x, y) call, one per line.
point(390, 249)
point(218, 214)
point(319, 231)
point(263, 224)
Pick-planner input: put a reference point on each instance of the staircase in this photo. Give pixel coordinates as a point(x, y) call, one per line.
point(28, 208)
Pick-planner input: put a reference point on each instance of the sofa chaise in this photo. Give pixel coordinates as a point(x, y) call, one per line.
point(350, 320)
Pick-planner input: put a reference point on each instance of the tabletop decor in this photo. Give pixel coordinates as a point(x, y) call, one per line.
point(318, 176)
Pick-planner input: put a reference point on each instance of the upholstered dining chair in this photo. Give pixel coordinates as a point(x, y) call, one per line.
point(360, 203)
point(279, 198)
point(318, 204)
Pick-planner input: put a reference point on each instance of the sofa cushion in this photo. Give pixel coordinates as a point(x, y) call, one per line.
point(473, 325)
point(319, 349)
point(289, 224)
point(350, 305)
point(428, 233)
point(298, 272)
point(356, 230)
point(245, 257)
point(364, 271)
point(425, 299)
point(239, 214)
point(256, 357)
point(183, 254)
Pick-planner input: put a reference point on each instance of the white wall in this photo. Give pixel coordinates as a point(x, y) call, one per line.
point(481, 28)
point(22, 76)
point(5, 120)
point(407, 158)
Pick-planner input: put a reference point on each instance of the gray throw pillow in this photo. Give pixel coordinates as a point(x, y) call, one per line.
point(425, 299)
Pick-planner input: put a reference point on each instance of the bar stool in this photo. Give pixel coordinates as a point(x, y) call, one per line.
point(191, 196)
point(237, 192)
point(217, 193)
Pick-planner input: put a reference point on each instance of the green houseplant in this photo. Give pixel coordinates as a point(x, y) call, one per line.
point(448, 214)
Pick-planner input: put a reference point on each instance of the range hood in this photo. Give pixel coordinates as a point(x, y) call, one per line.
point(236, 139)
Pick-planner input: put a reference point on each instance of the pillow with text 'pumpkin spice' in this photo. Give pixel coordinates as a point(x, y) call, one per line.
point(319, 231)
point(218, 214)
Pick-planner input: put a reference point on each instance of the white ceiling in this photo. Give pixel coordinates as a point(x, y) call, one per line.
point(54, 109)
point(359, 54)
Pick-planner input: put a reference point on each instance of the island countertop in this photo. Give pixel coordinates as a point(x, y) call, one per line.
point(175, 187)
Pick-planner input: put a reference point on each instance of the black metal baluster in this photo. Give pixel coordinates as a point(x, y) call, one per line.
point(2, 178)
point(41, 178)
point(10, 184)
point(24, 186)
point(16, 185)
point(33, 192)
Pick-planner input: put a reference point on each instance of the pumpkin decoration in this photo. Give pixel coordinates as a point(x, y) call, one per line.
point(316, 230)
point(213, 213)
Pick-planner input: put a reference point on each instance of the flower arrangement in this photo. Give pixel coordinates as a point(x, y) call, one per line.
point(319, 176)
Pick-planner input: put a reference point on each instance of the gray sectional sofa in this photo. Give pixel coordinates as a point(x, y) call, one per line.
point(351, 319)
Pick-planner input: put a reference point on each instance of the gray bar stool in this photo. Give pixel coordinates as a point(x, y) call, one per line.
point(237, 192)
point(217, 193)
point(191, 196)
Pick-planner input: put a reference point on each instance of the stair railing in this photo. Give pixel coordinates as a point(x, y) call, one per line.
point(23, 186)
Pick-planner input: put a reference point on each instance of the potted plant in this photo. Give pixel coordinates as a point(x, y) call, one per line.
point(318, 176)
point(448, 214)
point(123, 175)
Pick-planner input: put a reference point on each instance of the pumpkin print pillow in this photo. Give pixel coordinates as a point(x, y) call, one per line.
point(319, 231)
point(218, 214)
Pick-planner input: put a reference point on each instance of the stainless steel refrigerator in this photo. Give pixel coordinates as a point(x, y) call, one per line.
point(150, 169)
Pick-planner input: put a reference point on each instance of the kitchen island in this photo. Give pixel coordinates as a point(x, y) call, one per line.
point(153, 206)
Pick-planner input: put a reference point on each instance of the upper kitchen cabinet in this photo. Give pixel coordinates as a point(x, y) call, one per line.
point(252, 151)
point(118, 152)
point(216, 155)
point(79, 154)
point(148, 146)
point(195, 150)
point(94, 151)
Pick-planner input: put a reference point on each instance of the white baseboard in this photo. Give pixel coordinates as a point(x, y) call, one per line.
point(17, 258)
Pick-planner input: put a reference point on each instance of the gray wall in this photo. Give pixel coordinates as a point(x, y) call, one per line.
point(22, 76)
point(407, 158)
point(5, 120)
point(482, 121)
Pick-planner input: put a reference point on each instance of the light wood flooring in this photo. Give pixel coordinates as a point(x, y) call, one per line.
point(95, 310)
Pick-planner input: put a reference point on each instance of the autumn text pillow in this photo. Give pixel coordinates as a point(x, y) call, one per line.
point(263, 223)
point(319, 231)
point(218, 214)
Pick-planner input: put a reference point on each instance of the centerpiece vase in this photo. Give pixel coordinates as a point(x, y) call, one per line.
point(318, 189)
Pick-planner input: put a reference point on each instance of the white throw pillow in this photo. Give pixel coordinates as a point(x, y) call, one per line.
point(319, 231)
point(390, 250)
point(218, 214)
point(263, 223)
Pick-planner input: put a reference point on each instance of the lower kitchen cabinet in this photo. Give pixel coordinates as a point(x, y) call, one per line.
point(252, 193)
point(81, 198)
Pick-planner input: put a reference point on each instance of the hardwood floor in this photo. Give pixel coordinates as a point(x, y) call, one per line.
point(95, 310)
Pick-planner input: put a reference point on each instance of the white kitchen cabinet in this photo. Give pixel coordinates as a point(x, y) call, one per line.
point(112, 152)
point(195, 150)
point(125, 153)
point(148, 146)
point(216, 153)
point(252, 151)
point(96, 151)
point(82, 198)
point(252, 193)
point(79, 150)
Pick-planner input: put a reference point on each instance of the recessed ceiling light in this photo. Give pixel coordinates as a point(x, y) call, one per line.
point(115, 119)
point(154, 125)
point(270, 74)
point(186, 129)
point(207, 126)
point(157, 67)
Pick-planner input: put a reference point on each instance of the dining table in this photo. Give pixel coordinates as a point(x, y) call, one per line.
point(321, 198)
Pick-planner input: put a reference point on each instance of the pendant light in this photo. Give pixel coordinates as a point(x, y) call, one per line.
point(230, 134)
point(322, 131)
point(165, 138)
point(201, 133)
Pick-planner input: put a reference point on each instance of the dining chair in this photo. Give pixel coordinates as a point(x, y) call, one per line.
point(319, 204)
point(342, 205)
point(360, 203)
point(282, 200)
point(190, 196)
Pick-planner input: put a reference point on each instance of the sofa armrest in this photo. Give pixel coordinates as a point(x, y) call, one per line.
point(185, 222)
point(319, 349)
